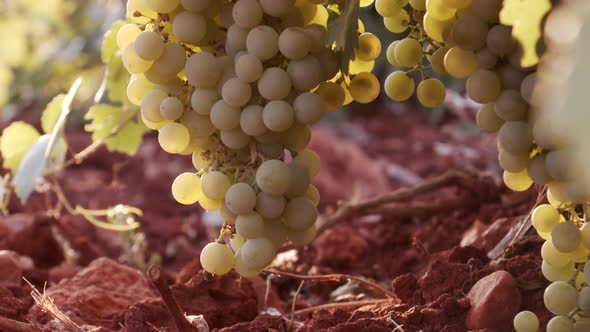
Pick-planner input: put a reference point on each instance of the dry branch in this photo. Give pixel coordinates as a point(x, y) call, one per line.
point(182, 324)
point(334, 277)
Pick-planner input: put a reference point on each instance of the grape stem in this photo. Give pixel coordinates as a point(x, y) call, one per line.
point(155, 277)
point(334, 277)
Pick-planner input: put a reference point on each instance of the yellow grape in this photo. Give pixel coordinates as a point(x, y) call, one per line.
point(366, 3)
point(409, 52)
point(369, 47)
point(173, 137)
point(391, 54)
point(397, 23)
point(365, 88)
point(359, 66)
point(217, 258)
point(435, 28)
point(186, 188)
point(332, 94)
point(518, 181)
point(437, 61)
point(460, 63)
point(431, 92)
point(387, 8)
point(439, 10)
point(399, 86)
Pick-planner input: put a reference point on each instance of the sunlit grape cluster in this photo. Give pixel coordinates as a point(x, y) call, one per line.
point(565, 264)
point(237, 84)
point(420, 50)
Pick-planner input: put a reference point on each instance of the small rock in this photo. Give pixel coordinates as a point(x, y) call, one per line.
point(96, 294)
point(495, 300)
point(11, 271)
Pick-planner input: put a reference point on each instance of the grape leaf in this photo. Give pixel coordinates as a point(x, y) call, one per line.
point(51, 113)
point(109, 42)
point(116, 127)
point(15, 141)
point(128, 139)
point(117, 80)
point(525, 17)
point(31, 168)
point(343, 33)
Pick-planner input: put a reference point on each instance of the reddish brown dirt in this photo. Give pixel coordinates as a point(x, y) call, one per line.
point(430, 263)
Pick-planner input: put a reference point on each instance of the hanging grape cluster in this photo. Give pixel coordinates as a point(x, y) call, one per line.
point(563, 222)
point(237, 85)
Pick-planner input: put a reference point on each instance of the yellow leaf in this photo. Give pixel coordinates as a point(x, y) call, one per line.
point(525, 17)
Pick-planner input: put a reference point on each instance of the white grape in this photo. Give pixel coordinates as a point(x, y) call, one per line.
point(240, 198)
point(217, 258)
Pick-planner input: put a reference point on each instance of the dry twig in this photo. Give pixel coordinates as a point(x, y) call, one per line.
point(334, 277)
point(46, 304)
point(330, 306)
point(154, 274)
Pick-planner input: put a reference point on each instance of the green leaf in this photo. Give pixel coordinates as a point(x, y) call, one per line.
point(128, 139)
point(116, 127)
point(31, 169)
point(525, 17)
point(117, 81)
point(51, 113)
point(15, 141)
point(343, 32)
point(109, 43)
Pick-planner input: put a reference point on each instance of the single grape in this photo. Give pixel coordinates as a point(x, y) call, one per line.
point(566, 237)
point(387, 8)
point(137, 88)
point(203, 70)
point(202, 100)
point(526, 321)
point(500, 40)
point(431, 92)
point(270, 206)
point(484, 87)
point(299, 182)
point(308, 108)
point(538, 171)
point(510, 106)
point(294, 43)
point(369, 47)
point(127, 35)
point(332, 95)
point(215, 185)
point(278, 115)
point(217, 258)
point(162, 6)
point(554, 274)
point(560, 324)
point(276, 231)
point(364, 88)
point(171, 108)
point(224, 116)
point(234, 139)
point(149, 45)
point(399, 86)
point(560, 298)
point(515, 137)
point(460, 63)
point(439, 10)
point(437, 60)
point(263, 42)
point(310, 160)
point(189, 27)
point(249, 68)
point(545, 217)
point(250, 226)
point(173, 137)
point(257, 253)
point(306, 73)
point(196, 6)
point(302, 238)
point(487, 120)
point(247, 13)
point(172, 60)
point(236, 93)
point(273, 177)
point(397, 23)
point(274, 84)
point(240, 198)
point(133, 63)
point(408, 52)
point(277, 8)
point(300, 213)
point(519, 181)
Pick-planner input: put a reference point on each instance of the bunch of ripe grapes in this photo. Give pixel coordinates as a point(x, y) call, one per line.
point(237, 85)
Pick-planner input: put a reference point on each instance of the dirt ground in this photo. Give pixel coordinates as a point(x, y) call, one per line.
point(427, 251)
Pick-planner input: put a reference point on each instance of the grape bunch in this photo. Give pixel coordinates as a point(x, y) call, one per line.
point(565, 264)
point(237, 85)
point(563, 223)
point(419, 50)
